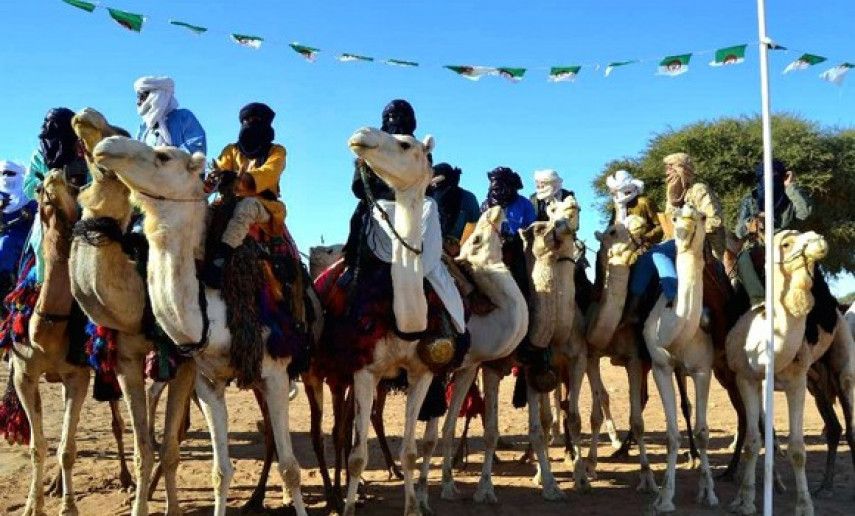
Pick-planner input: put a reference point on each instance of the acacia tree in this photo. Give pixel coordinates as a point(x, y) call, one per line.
point(725, 153)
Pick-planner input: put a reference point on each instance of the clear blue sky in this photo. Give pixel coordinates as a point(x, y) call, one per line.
point(53, 54)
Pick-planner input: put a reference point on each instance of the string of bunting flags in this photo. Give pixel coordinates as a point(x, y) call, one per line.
point(671, 66)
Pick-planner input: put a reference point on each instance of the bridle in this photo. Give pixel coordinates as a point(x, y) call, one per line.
point(172, 199)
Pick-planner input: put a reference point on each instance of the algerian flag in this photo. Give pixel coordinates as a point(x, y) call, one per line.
point(511, 74)
point(400, 62)
point(729, 56)
point(674, 65)
point(836, 74)
point(86, 6)
point(345, 58)
point(195, 29)
point(248, 41)
point(563, 73)
point(473, 73)
point(310, 53)
point(616, 64)
point(130, 21)
point(805, 61)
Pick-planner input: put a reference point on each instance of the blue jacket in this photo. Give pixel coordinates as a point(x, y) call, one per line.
point(186, 131)
point(520, 214)
point(13, 235)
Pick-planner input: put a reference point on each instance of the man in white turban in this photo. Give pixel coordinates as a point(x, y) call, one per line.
point(548, 189)
point(17, 216)
point(164, 123)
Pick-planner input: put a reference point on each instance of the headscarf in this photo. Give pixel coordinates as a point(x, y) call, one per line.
point(504, 185)
point(256, 131)
point(623, 188)
point(57, 140)
point(12, 186)
point(399, 118)
point(159, 103)
point(547, 184)
point(448, 195)
point(679, 180)
point(779, 199)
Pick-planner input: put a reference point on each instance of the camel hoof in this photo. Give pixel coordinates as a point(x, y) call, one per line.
point(424, 508)
point(69, 508)
point(647, 484)
point(692, 462)
point(740, 506)
point(449, 491)
point(31, 511)
point(349, 510)
point(707, 497)
point(485, 495)
point(552, 493)
point(661, 505)
point(622, 452)
point(591, 470)
point(613, 435)
point(537, 479)
point(127, 482)
point(54, 490)
point(254, 505)
point(804, 508)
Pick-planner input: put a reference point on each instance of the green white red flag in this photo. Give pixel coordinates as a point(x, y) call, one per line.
point(674, 65)
point(729, 56)
point(248, 41)
point(803, 62)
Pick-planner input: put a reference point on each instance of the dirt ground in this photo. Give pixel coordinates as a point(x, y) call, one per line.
point(613, 492)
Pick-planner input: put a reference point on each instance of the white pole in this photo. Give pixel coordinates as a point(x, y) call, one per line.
point(769, 395)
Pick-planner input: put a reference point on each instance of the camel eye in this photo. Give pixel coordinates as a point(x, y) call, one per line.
point(476, 240)
point(405, 145)
point(612, 232)
point(786, 245)
point(162, 157)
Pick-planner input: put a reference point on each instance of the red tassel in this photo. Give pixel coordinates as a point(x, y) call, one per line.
point(19, 324)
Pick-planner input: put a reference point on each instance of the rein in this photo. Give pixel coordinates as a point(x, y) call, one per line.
point(162, 198)
point(372, 203)
point(53, 318)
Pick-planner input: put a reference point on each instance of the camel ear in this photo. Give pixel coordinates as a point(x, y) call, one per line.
point(196, 164)
point(429, 144)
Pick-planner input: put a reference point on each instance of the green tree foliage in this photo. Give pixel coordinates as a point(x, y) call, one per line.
point(725, 152)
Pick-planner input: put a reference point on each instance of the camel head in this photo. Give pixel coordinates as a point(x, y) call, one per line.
point(159, 172)
point(549, 239)
point(795, 255)
point(58, 207)
point(618, 243)
point(107, 196)
point(399, 160)
point(689, 229)
point(568, 210)
point(322, 257)
point(484, 245)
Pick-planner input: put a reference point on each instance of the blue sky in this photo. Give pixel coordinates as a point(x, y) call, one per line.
point(53, 54)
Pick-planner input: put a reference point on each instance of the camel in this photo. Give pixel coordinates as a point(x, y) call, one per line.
point(794, 255)
point(46, 350)
point(675, 341)
point(494, 336)
point(166, 184)
point(110, 290)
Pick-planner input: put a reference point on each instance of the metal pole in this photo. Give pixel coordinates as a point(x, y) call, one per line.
point(769, 384)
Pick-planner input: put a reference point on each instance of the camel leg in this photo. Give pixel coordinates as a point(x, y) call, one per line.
point(256, 501)
point(27, 387)
point(706, 485)
point(118, 425)
point(485, 492)
point(574, 422)
point(750, 391)
point(276, 388)
point(662, 374)
point(315, 395)
point(177, 410)
point(75, 384)
point(598, 391)
point(626, 444)
point(416, 393)
point(551, 491)
point(130, 376)
point(730, 472)
point(847, 395)
point(364, 385)
point(338, 433)
point(380, 432)
point(686, 408)
point(153, 393)
point(212, 396)
point(462, 381)
point(555, 418)
point(637, 379)
point(832, 433)
point(428, 447)
point(796, 447)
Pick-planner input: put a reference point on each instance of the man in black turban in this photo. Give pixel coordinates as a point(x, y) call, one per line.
point(58, 149)
point(458, 208)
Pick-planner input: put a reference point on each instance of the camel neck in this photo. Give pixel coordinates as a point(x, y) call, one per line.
point(609, 313)
point(689, 302)
point(409, 303)
point(175, 232)
point(543, 300)
point(55, 295)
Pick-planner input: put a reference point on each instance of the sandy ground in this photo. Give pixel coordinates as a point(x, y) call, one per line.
point(613, 493)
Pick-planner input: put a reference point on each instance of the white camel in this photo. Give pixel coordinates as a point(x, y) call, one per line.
point(675, 340)
point(110, 290)
point(166, 183)
point(794, 255)
point(494, 336)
